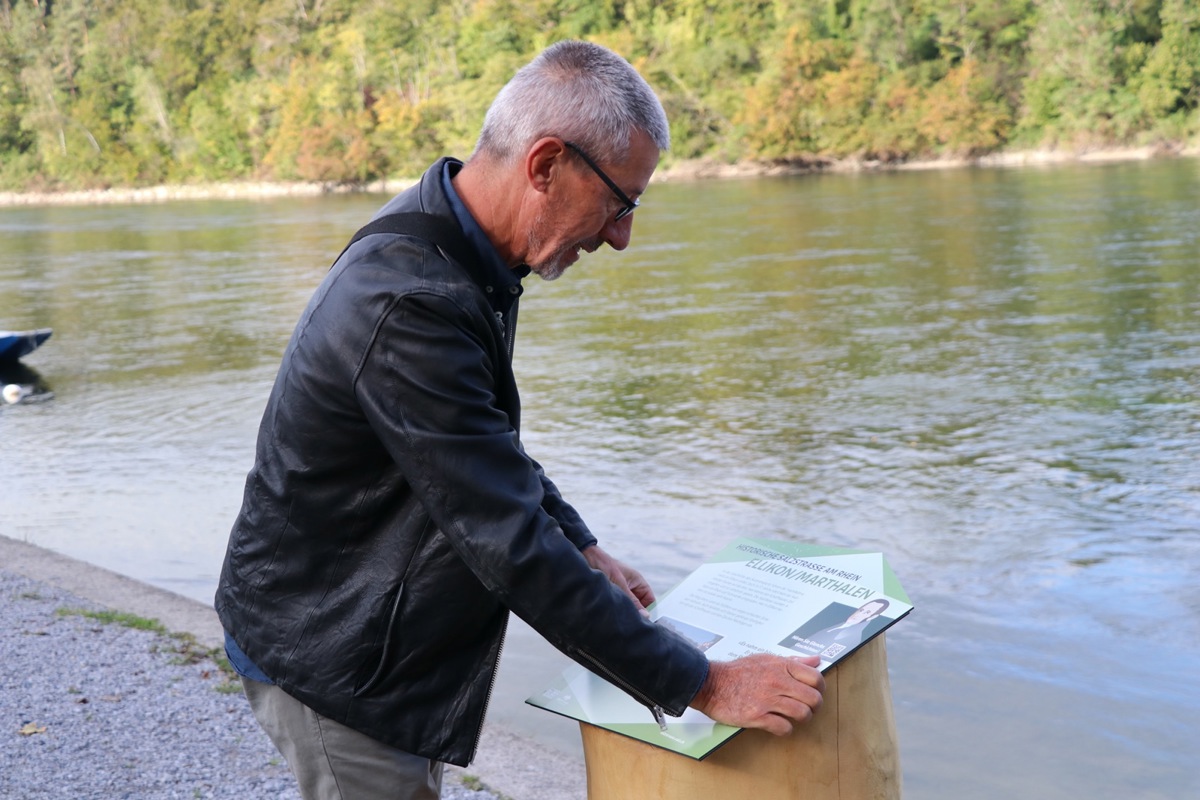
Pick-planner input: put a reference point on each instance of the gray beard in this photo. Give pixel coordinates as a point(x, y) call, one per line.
point(550, 271)
point(551, 268)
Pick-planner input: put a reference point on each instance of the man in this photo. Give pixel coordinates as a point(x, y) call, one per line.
point(392, 518)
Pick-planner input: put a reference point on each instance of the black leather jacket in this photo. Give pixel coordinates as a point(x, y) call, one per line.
point(392, 518)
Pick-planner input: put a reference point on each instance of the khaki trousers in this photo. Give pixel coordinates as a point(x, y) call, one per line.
point(333, 762)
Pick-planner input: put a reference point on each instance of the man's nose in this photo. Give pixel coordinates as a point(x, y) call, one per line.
point(617, 233)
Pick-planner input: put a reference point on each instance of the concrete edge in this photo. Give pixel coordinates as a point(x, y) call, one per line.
point(177, 613)
point(508, 764)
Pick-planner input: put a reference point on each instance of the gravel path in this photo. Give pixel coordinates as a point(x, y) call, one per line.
point(92, 707)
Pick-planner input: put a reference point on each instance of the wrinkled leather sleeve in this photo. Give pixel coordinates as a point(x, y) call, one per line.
point(573, 526)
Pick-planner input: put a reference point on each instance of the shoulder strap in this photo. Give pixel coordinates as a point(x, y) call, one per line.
point(436, 230)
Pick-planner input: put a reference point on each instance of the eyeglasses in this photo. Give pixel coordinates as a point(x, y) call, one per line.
point(628, 206)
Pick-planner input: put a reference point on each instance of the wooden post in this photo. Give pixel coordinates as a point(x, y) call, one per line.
point(848, 750)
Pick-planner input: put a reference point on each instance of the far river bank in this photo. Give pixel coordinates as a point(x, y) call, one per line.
point(691, 170)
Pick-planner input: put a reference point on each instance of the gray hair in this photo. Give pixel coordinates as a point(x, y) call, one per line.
point(578, 91)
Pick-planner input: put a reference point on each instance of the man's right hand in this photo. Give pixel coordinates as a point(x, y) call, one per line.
point(762, 691)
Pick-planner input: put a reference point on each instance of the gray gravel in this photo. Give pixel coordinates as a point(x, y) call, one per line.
point(98, 709)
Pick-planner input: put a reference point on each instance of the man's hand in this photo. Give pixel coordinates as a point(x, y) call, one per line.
point(625, 578)
point(762, 691)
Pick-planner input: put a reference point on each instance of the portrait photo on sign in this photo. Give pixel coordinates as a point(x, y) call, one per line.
point(838, 628)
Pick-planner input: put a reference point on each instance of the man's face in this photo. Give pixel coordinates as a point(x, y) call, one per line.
point(864, 613)
point(584, 216)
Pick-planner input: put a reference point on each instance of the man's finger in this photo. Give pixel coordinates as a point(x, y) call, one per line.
point(776, 724)
point(805, 673)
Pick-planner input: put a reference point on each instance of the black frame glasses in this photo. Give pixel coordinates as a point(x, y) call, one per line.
point(628, 205)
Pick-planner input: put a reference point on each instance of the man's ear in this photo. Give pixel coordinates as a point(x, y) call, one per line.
point(543, 163)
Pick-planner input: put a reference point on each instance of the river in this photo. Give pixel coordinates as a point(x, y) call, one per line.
point(990, 375)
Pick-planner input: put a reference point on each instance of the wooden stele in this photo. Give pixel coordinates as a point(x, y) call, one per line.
point(847, 750)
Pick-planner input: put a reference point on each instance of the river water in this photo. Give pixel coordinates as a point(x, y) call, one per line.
point(992, 376)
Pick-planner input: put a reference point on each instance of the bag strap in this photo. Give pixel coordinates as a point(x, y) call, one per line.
point(433, 229)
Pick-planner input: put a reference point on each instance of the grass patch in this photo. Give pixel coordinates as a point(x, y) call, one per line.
point(474, 784)
point(115, 618)
point(183, 648)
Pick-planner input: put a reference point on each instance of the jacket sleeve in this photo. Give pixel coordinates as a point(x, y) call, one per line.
point(428, 387)
point(573, 526)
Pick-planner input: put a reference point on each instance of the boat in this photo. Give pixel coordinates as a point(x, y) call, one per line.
point(18, 344)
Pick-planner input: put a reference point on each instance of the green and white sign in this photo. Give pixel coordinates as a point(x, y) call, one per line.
point(754, 596)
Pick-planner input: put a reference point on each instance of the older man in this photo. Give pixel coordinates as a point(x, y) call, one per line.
point(392, 518)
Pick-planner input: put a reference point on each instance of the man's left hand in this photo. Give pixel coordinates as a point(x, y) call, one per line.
point(624, 577)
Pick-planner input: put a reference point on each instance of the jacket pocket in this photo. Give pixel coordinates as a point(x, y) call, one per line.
point(389, 636)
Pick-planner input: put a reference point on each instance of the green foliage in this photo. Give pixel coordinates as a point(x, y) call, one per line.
point(1169, 81)
point(127, 92)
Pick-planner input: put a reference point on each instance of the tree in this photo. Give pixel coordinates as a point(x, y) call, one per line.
point(1169, 82)
point(1077, 92)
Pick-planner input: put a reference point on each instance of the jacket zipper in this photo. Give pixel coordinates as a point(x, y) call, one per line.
point(510, 341)
point(487, 700)
point(612, 678)
point(509, 330)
